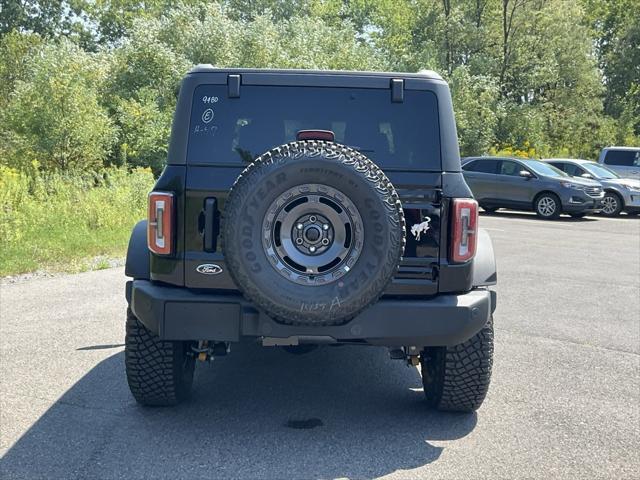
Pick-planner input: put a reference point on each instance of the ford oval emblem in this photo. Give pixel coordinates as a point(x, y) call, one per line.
point(209, 269)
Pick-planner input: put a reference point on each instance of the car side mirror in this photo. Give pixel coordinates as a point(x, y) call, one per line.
point(525, 173)
point(586, 175)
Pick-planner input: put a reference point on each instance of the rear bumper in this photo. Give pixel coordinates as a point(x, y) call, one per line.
point(175, 313)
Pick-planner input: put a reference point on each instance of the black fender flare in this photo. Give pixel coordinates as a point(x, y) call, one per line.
point(137, 264)
point(484, 262)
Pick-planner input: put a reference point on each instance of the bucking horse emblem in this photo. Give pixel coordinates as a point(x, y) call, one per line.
point(420, 228)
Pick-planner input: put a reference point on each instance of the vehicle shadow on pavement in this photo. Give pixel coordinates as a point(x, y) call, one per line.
point(257, 413)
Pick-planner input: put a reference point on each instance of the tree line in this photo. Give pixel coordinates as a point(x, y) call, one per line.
point(91, 83)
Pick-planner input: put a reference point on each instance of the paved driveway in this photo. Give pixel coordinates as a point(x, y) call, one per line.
point(565, 398)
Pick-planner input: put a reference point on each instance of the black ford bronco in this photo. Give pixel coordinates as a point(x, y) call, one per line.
point(304, 208)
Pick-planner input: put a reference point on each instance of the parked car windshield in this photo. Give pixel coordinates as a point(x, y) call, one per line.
point(598, 171)
point(545, 169)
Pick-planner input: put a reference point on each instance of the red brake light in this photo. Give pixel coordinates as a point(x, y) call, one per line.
point(160, 223)
point(326, 135)
point(464, 227)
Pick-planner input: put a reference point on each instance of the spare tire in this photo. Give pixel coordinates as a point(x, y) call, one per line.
point(313, 232)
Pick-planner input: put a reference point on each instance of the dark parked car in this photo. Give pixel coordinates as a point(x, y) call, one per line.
point(280, 220)
point(620, 194)
point(625, 161)
point(522, 184)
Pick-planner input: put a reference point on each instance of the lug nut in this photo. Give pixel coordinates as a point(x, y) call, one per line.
point(299, 241)
point(325, 227)
point(312, 249)
point(300, 226)
point(325, 241)
point(312, 218)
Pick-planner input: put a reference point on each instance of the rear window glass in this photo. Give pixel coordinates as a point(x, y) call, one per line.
point(626, 158)
point(236, 130)
point(482, 166)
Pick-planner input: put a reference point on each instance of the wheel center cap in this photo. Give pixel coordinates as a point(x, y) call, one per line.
point(312, 234)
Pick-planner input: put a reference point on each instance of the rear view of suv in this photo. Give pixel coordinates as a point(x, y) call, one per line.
point(303, 208)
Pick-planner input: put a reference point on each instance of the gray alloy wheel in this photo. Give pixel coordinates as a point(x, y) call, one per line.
point(611, 205)
point(311, 232)
point(547, 206)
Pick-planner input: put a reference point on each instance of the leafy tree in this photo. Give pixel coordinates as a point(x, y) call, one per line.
point(44, 17)
point(206, 33)
point(535, 76)
point(47, 18)
point(617, 33)
point(276, 9)
point(475, 100)
point(140, 93)
point(54, 116)
point(144, 131)
point(144, 61)
point(16, 51)
point(114, 20)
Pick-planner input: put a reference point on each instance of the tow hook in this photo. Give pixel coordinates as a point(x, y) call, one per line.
point(410, 354)
point(207, 351)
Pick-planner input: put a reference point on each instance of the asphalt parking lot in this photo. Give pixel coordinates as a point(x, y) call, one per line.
point(564, 402)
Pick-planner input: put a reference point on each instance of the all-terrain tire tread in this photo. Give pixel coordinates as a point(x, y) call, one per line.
point(150, 365)
point(458, 377)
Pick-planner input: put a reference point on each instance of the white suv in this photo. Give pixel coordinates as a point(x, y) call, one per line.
point(625, 161)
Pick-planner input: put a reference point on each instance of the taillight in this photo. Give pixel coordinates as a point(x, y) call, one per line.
point(326, 135)
point(160, 223)
point(464, 227)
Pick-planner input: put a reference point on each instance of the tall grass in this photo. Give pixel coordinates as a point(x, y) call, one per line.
point(54, 221)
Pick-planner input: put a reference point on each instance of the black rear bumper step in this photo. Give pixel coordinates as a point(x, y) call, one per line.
point(175, 313)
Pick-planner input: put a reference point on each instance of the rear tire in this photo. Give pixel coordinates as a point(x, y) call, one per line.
point(611, 204)
point(548, 206)
point(457, 378)
point(159, 373)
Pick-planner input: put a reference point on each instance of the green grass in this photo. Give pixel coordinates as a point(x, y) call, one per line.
point(61, 222)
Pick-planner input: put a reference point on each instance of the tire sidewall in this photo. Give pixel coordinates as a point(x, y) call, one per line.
point(310, 304)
